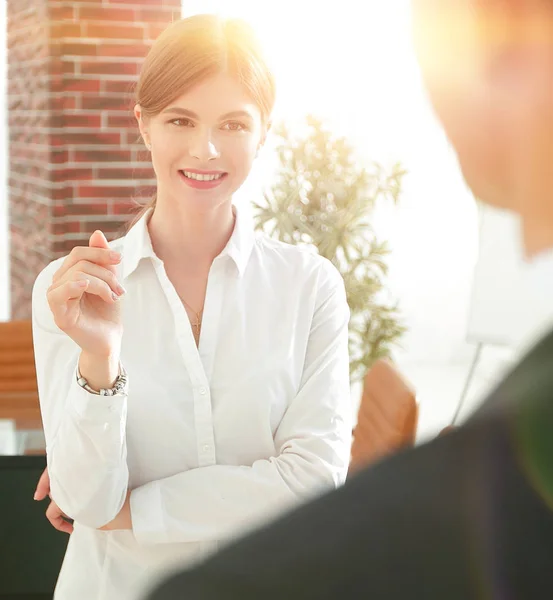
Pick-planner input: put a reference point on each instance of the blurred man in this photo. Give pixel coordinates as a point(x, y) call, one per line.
point(468, 515)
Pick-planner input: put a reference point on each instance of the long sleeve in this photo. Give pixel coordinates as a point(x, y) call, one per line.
point(466, 515)
point(411, 526)
point(85, 433)
point(312, 448)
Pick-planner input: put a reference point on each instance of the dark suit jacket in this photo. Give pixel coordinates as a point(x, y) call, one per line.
point(465, 516)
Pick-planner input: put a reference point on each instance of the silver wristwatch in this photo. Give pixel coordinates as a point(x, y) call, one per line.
point(120, 387)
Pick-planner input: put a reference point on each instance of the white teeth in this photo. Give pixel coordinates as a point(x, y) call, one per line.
point(200, 177)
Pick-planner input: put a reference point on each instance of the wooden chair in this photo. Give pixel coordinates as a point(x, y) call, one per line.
point(18, 386)
point(387, 418)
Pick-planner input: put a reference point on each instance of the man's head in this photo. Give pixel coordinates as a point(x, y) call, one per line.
point(488, 68)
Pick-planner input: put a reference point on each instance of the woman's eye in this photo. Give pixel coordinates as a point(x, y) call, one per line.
point(181, 122)
point(234, 126)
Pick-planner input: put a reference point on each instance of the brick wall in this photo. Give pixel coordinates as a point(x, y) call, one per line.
point(29, 147)
point(75, 163)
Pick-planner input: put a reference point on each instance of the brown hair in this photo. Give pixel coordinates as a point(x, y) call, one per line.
point(194, 49)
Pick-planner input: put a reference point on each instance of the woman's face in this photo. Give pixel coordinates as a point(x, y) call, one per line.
point(204, 143)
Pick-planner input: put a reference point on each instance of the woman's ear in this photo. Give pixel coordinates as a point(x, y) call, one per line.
point(263, 137)
point(265, 133)
point(141, 125)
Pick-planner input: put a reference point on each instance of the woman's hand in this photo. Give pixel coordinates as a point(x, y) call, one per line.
point(84, 298)
point(123, 519)
point(54, 514)
point(58, 518)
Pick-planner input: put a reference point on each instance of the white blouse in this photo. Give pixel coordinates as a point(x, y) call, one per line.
point(211, 440)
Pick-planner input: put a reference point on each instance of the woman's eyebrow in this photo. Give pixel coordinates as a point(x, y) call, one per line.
point(177, 110)
point(238, 113)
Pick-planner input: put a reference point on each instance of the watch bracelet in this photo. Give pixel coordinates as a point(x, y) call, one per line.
point(119, 387)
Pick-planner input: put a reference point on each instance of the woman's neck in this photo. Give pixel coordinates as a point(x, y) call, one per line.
point(190, 239)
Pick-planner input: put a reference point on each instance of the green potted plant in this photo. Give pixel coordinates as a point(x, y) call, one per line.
point(321, 195)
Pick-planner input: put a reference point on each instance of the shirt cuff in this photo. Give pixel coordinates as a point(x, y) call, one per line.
point(93, 407)
point(147, 514)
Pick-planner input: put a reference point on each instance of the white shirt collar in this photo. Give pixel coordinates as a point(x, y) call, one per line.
point(137, 244)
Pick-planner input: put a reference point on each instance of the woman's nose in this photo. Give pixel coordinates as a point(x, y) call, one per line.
point(203, 146)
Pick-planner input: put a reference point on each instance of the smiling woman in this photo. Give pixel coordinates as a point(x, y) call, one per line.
point(195, 141)
point(193, 377)
point(215, 107)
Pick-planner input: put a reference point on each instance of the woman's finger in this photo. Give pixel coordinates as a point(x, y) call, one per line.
point(89, 268)
point(43, 486)
point(100, 256)
point(59, 295)
point(57, 518)
point(97, 287)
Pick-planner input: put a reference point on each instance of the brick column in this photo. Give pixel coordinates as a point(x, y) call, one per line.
point(75, 163)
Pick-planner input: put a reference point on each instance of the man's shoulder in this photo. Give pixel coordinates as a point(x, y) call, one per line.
point(528, 386)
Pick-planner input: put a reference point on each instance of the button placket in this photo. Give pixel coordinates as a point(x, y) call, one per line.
point(194, 362)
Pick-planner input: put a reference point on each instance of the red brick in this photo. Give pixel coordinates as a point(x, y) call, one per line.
point(128, 173)
point(110, 228)
point(73, 174)
point(109, 68)
point(82, 121)
point(126, 207)
point(82, 85)
point(87, 208)
point(106, 103)
point(90, 191)
point(86, 139)
point(73, 227)
point(66, 227)
point(124, 50)
point(106, 13)
point(61, 13)
point(58, 209)
point(132, 137)
point(56, 83)
point(75, 49)
point(59, 156)
point(116, 32)
point(119, 87)
point(61, 193)
point(122, 121)
point(102, 156)
point(68, 67)
point(63, 103)
point(62, 247)
point(160, 15)
point(65, 29)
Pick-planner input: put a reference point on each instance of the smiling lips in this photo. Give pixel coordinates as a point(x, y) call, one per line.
point(203, 180)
